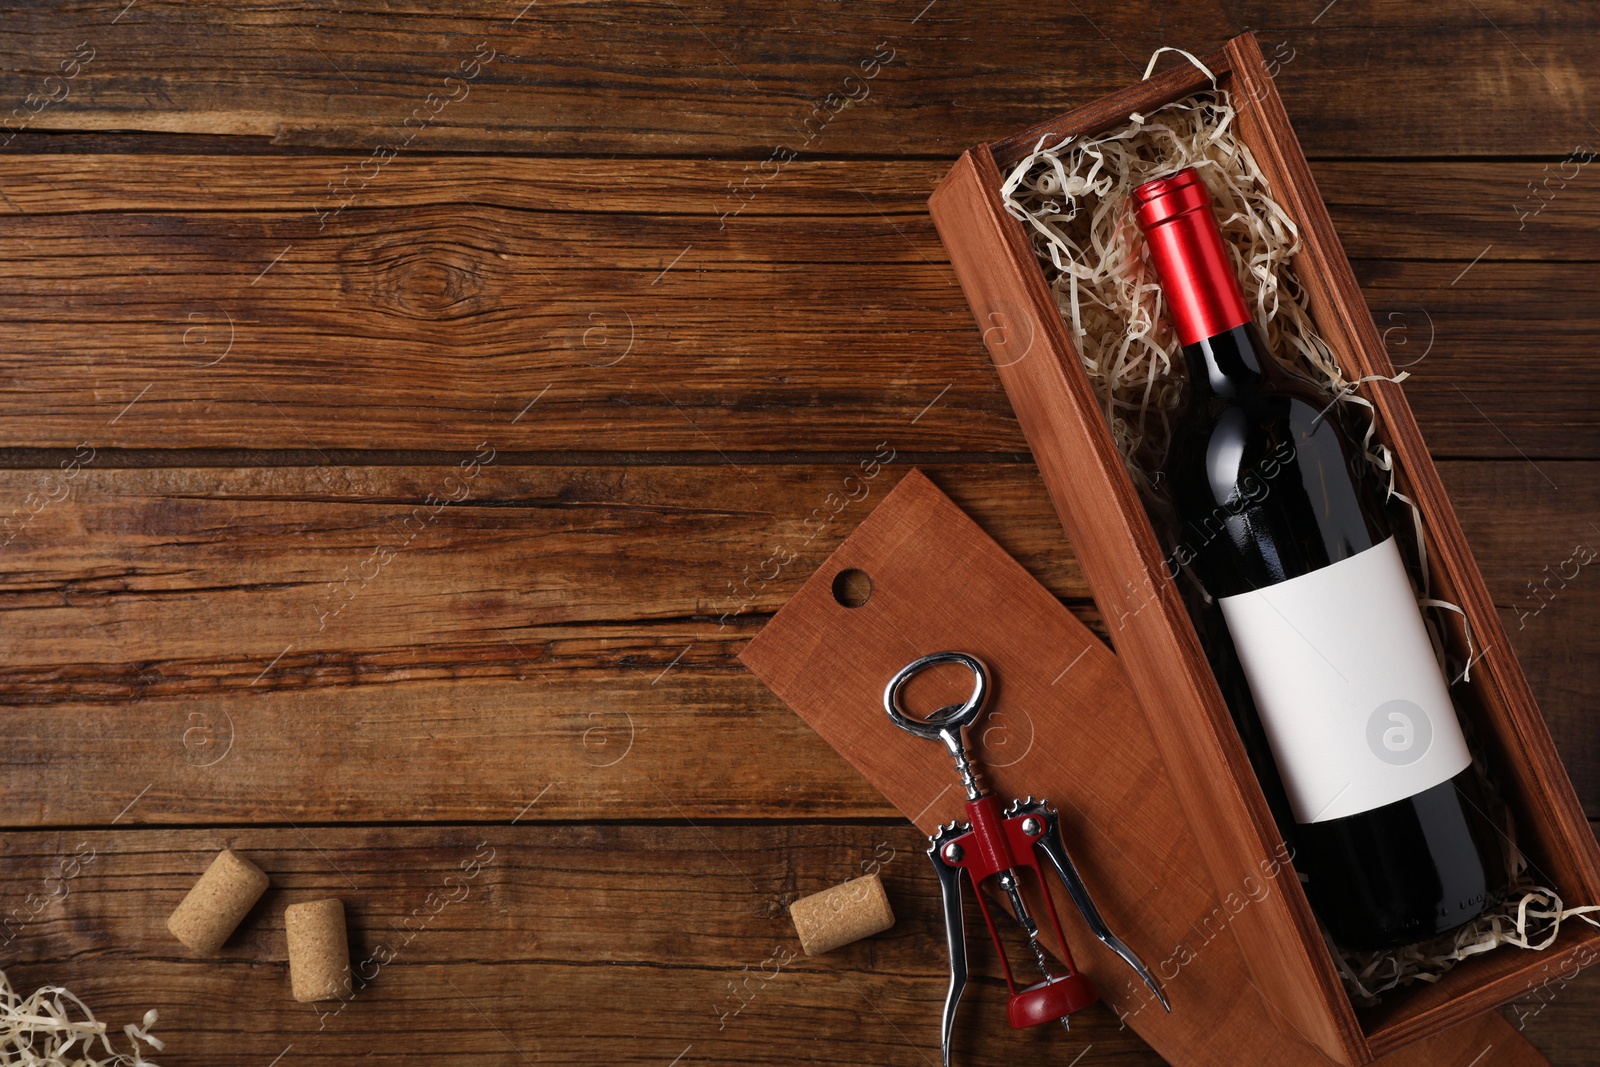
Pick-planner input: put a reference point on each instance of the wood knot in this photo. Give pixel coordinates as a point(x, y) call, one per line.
point(436, 284)
point(427, 279)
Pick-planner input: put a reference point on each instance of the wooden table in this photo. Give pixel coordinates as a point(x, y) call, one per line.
point(408, 417)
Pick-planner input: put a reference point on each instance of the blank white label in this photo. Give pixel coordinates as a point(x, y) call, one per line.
point(1355, 707)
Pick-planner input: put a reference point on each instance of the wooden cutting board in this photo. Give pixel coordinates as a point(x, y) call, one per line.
point(1063, 724)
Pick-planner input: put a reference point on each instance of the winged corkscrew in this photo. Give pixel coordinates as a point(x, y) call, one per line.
point(1001, 845)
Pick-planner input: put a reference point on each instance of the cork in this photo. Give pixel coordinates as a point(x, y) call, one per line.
point(848, 912)
point(319, 950)
point(218, 902)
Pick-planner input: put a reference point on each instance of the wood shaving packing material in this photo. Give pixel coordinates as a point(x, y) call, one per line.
point(53, 1028)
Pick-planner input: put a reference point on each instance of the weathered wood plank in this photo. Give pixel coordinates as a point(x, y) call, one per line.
point(1383, 209)
point(1504, 210)
point(233, 631)
point(485, 944)
point(184, 564)
point(509, 944)
point(1558, 1016)
point(1494, 353)
point(604, 744)
point(1350, 75)
point(1532, 528)
point(572, 78)
point(566, 625)
point(444, 301)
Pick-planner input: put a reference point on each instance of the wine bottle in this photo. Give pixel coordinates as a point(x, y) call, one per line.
point(1283, 524)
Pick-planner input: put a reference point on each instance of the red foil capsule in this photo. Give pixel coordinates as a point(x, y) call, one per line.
point(1184, 245)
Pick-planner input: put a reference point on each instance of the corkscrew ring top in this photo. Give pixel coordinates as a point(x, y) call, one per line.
point(947, 723)
point(948, 719)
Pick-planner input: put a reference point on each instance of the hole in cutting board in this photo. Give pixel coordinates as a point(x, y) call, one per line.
point(852, 587)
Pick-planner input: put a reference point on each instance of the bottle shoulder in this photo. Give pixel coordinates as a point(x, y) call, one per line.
point(1225, 436)
point(1270, 485)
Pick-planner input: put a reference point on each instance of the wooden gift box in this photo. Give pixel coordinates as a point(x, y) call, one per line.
point(1154, 637)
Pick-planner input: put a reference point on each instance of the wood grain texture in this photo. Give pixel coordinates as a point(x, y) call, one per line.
point(570, 77)
point(1450, 211)
point(521, 241)
point(492, 945)
point(1542, 588)
point(360, 558)
point(487, 944)
point(454, 291)
point(1558, 1015)
point(165, 604)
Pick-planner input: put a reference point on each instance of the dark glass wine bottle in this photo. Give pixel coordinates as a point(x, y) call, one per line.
point(1283, 524)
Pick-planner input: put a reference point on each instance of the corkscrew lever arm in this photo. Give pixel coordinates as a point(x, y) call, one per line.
point(1056, 852)
point(954, 932)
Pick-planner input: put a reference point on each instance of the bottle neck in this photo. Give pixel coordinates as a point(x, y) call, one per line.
point(1233, 363)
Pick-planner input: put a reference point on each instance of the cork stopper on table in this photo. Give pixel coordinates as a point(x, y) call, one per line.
point(319, 950)
point(218, 902)
point(845, 913)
